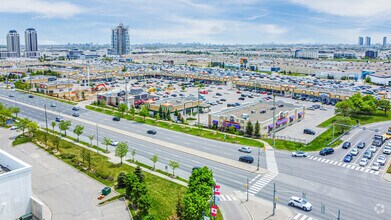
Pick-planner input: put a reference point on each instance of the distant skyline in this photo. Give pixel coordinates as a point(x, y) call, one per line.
point(204, 21)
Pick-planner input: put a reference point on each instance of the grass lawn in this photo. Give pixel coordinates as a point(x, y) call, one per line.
point(379, 116)
point(205, 133)
point(164, 193)
point(51, 97)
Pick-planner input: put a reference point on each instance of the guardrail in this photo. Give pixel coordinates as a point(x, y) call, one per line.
point(285, 138)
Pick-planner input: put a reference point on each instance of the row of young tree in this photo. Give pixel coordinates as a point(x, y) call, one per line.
point(196, 201)
point(358, 104)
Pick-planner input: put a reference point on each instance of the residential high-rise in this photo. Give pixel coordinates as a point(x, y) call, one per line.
point(367, 41)
point(13, 43)
point(31, 42)
point(360, 41)
point(120, 43)
point(384, 42)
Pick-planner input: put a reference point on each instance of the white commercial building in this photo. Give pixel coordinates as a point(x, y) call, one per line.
point(15, 187)
point(380, 79)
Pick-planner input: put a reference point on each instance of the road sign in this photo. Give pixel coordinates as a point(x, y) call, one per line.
point(213, 210)
point(217, 199)
point(217, 190)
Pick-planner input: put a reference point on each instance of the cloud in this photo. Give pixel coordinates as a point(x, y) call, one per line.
point(348, 8)
point(42, 8)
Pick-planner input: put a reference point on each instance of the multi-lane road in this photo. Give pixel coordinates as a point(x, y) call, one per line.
point(358, 194)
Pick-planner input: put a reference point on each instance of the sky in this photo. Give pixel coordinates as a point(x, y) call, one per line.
point(204, 21)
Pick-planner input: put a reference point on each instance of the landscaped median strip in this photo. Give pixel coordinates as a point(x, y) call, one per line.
point(215, 158)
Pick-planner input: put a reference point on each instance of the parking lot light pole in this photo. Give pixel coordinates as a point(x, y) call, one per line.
point(198, 106)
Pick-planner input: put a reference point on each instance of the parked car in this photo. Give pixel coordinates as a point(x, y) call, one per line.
point(53, 105)
point(326, 151)
point(116, 118)
point(245, 149)
point(311, 108)
point(367, 154)
point(375, 166)
point(354, 152)
point(373, 148)
point(309, 131)
point(75, 108)
point(272, 108)
point(387, 150)
point(299, 154)
point(14, 127)
point(363, 162)
point(262, 111)
point(76, 114)
point(59, 119)
point(346, 145)
point(348, 158)
point(280, 105)
point(246, 159)
point(381, 160)
point(361, 145)
point(31, 96)
point(299, 203)
point(114, 143)
point(241, 98)
point(151, 132)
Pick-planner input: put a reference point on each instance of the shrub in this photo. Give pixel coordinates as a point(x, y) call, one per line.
point(21, 139)
point(67, 156)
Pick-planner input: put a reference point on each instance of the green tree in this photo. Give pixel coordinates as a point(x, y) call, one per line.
point(121, 180)
point(201, 182)
point(144, 112)
point(16, 111)
point(384, 105)
point(56, 142)
point(122, 108)
point(257, 129)
point(32, 128)
point(154, 159)
point(157, 117)
point(174, 165)
point(168, 115)
point(22, 124)
point(343, 123)
point(106, 142)
point(64, 126)
point(344, 108)
point(144, 204)
point(179, 207)
point(367, 79)
point(160, 111)
point(133, 154)
point(139, 173)
point(194, 205)
point(78, 130)
point(183, 87)
point(91, 139)
point(121, 150)
point(249, 128)
point(88, 158)
point(132, 112)
point(53, 124)
point(83, 153)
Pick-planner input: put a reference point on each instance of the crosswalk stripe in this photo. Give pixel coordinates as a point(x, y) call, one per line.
point(335, 162)
point(348, 166)
point(297, 216)
point(310, 157)
point(222, 197)
point(339, 164)
point(358, 168)
point(362, 169)
point(377, 172)
point(344, 165)
point(352, 167)
point(367, 170)
point(322, 160)
point(319, 159)
point(304, 217)
point(372, 171)
point(309, 218)
point(234, 198)
point(327, 161)
point(228, 198)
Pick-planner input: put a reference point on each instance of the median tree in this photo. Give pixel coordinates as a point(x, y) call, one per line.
point(79, 129)
point(154, 159)
point(64, 126)
point(132, 112)
point(121, 150)
point(249, 128)
point(106, 142)
point(53, 124)
point(174, 165)
point(144, 112)
point(32, 128)
point(257, 129)
point(15, 110)
point(344, 108)
point(133, 154)
point(384, 105)
point(122, 108)
point(91, 139)
point(22, 123)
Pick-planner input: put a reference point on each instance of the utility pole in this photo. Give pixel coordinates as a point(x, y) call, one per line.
point(198, 106)
point(274, 199)
point(69, 89)
point(274, 120)
point(259, 152)
point(339, 214)
point(47, 130)
point(247, 186)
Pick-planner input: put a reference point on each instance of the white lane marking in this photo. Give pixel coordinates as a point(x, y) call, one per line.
point(297, 216)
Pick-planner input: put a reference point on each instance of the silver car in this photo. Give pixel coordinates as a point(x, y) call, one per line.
point(299, 154)
point(381, 160)
point(363, 162)
point(375, 166)
point(354, 152)
point(245, 149)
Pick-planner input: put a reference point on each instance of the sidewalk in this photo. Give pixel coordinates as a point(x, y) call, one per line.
point(259, 208)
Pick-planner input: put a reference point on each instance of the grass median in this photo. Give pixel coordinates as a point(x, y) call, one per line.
point(378, 116)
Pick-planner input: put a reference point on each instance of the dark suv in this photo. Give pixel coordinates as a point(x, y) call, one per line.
point(361, 145)
point(326, 151)
point(346, 145)
point(309, 131)
point(116, 118)
point(246, 159)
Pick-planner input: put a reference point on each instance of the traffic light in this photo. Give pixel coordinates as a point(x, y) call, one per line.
point(323, 208)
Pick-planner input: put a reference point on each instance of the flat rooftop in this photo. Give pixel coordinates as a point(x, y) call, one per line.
point(10, 164)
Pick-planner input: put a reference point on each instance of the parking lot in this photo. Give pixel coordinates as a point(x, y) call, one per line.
point(52, 179)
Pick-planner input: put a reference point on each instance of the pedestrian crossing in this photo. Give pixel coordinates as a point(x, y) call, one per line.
point(267, 178)
point(301, 216)
point(344, 165)
point(228, 198)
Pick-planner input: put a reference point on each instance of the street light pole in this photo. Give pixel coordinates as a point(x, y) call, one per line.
point(247, 186)
point(274, 199)
point(97, 138)
point(198, 107)
point(47, 130)
point(259, 152)
point(274, 120)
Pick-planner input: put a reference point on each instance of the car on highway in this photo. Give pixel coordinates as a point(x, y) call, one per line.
point(59, 119)
point(346, 145)
point(311, 108)
point(387, 150)
point(367, 154)
point(354, 152)
point(375, 166)
point(363, 162)
point(31, 96)
point(373, 148)
point(348, 158)
point(10, 95)
point(326, 151)
point(116, 118)
point(75, 108)
point(308, 131)
point(360, 145)
point(245, 149)
point(381, 160)
point(301, 203)
point(114, 143)
point(52, 105)
point(151, 132)
point(299, 154)
point(246, 159)
point(76, 114)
